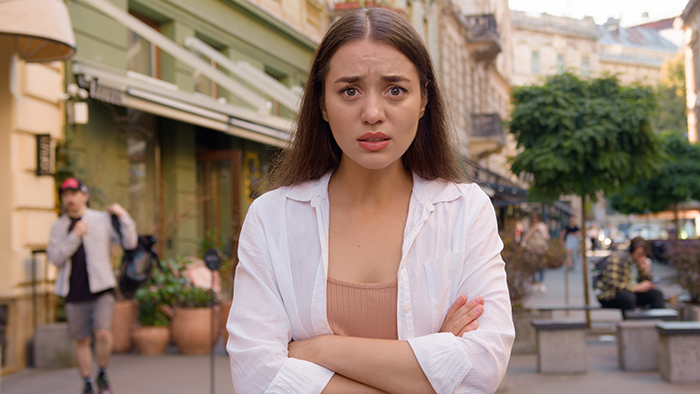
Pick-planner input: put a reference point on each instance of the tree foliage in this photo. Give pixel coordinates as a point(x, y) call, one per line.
point(671, 94)
point(676, 181)
point(582, 136)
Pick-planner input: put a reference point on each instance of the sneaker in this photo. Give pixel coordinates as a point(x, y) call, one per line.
point(88, 388)
point(103, 384)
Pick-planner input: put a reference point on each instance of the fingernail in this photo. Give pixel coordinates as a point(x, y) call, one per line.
point(479, 308)
point(462, 298)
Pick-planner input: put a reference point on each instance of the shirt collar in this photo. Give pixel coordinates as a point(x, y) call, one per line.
point(428, 193)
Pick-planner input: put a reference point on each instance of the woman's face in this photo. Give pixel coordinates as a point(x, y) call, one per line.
point(373, 103)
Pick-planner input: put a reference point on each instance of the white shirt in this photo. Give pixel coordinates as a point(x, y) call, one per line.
point(450, 247)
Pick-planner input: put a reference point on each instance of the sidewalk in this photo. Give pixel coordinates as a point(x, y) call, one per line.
point(604, 375)
point(177, 374)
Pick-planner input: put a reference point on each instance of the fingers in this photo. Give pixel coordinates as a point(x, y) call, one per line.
point(461, 317)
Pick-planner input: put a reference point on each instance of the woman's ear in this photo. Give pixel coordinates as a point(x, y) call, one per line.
point(423, 104)
point(324, 115)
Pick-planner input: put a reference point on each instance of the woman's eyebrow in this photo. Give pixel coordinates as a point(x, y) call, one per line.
point(386, 78)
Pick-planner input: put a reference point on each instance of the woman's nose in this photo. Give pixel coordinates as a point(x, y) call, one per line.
point(373, 109)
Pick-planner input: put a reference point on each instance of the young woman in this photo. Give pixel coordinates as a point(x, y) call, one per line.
point(355, 271)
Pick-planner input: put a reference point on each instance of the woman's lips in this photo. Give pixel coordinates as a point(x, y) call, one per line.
point(373, 141)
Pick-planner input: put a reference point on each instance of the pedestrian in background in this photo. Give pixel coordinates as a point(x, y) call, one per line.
point(80, 246)
point(355, 271)
point(536, 240)
point(570, 238)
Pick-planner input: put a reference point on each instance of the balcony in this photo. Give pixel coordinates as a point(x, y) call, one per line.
point(483, 36)
point(486, 136)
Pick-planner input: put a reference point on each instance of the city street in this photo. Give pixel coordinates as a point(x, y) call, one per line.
point(177, 374)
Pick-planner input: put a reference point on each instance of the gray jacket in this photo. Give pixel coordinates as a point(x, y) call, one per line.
point(62, 245)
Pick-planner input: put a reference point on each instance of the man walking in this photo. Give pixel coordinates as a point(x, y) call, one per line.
point(79, 245)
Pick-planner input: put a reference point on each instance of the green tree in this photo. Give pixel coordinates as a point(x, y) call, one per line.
point(676, 181)
point(581, 137)
point(671, 94)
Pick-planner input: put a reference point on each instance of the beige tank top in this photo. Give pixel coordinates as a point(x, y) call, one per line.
point(366, 310)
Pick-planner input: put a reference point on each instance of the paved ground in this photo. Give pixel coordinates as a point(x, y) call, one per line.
point(178, 374)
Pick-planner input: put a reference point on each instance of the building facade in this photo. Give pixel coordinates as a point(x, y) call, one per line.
point(171, 108)
point(546, 44)
point(689, 22)
point(634, 54)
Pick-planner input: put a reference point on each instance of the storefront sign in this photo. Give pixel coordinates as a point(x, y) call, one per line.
point(45, 156)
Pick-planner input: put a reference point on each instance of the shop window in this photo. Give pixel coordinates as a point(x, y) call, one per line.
point(535, 62)
point(142, 56)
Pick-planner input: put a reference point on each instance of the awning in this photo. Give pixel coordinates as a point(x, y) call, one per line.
point(42, 29)
point(161, 98)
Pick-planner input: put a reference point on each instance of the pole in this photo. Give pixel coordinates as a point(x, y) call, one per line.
point(585, 261)
point(213, 342)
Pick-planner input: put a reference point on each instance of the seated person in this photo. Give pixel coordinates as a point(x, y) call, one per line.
point(615, 288)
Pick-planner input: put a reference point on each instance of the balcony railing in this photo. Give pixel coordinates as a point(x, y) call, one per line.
point(483, 36)
point(487, 135)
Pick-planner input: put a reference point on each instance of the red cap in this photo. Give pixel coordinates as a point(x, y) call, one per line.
point(73, 183)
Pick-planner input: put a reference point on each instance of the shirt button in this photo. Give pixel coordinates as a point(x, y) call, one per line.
point(406, 308)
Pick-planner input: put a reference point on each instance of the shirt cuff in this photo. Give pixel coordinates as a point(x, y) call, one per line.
point(442, 359)
point(300, 376)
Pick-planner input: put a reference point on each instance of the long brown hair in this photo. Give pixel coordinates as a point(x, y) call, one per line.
point(314, 152)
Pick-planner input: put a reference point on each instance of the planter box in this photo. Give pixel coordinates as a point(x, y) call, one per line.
point(52, 347)
point(689, 312)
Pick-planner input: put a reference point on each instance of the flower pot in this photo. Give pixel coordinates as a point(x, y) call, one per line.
point(151, 340)
point(123, 319)
point(192, 330)
point(225, 309)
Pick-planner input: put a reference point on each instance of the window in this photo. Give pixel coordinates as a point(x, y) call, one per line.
point(535, 62)
point(202, 84)
point(585, 67)
point(142, 56)
point(560, 63)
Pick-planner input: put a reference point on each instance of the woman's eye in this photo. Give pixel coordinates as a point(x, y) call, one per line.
point(350, 92)
point(395, 91)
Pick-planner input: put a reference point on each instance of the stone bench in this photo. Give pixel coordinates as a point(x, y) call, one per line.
point(638, 345)
point(679, 351)
point(665, 314)
point(561, 346)
point(548, 311)
point(52, 347)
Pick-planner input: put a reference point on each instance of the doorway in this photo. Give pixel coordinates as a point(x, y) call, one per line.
point(218, 181)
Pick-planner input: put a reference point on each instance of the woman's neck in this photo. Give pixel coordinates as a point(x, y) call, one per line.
point(360, 186)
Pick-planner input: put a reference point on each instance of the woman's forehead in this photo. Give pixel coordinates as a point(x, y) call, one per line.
point(363, 58)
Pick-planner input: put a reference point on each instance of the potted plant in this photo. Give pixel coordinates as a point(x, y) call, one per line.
point(522, 264)
point(152, 335)
point(191, 322)
point(684, 257)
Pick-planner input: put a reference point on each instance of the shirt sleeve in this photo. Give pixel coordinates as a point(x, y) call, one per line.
point(259, 327)
point(61, 245)
point(477, 361)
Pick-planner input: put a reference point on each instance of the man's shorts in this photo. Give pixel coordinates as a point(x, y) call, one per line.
point(86, 317)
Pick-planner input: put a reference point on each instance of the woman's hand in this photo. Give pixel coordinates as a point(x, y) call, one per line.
point(462, 315)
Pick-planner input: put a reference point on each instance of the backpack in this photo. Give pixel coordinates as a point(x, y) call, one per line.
point(136, 263)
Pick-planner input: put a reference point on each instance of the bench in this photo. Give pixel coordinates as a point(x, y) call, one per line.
point(638, 345)
point(665, 314)
point(561, 346)
point(679, 351)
